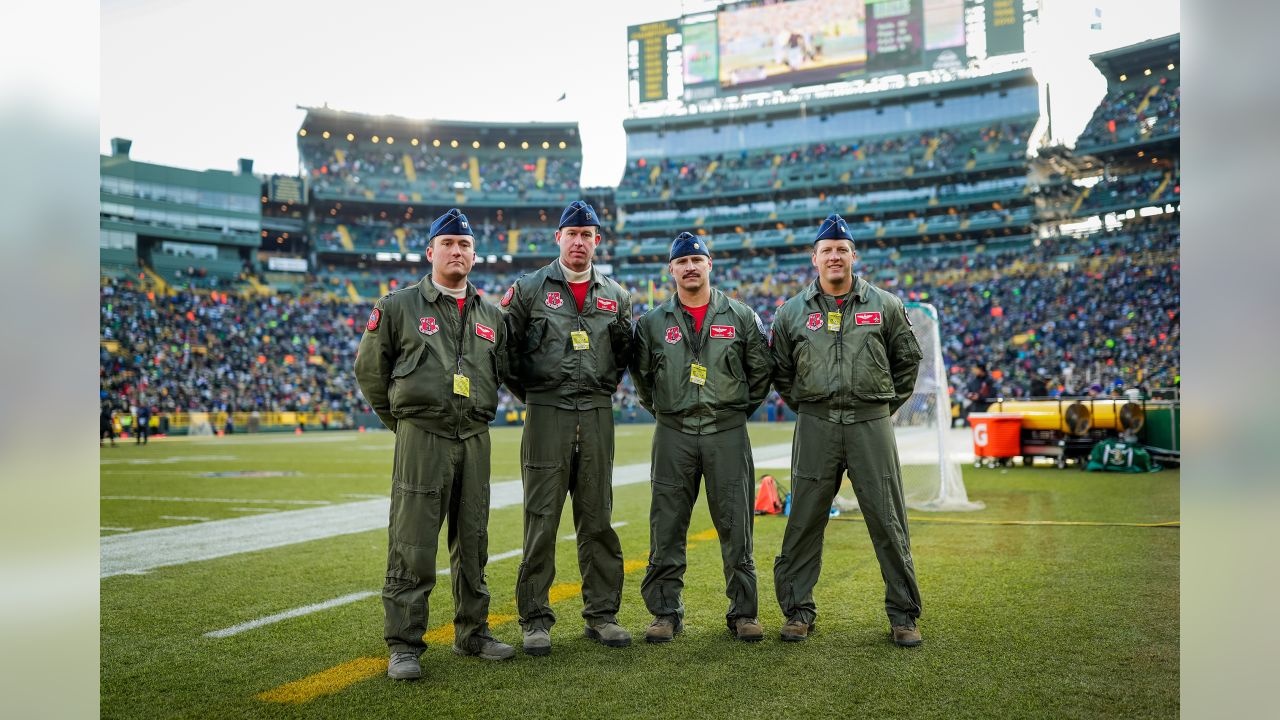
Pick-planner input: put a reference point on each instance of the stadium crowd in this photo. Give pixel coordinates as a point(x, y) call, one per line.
point(1069, 313)
point(383, 171)
point(724, 172)
point(1130, 112)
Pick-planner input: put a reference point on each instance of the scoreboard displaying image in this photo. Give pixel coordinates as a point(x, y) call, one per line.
point(752, 45)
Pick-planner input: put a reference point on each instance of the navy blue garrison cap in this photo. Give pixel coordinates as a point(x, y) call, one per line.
point(688, 244)
point(451, 223)
point(833, 228)
point(579, 214)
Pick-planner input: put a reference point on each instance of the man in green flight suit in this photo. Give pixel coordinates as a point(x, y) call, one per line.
point(701, 365)
point(570, 338)
point(430, 362)
point(845, 359)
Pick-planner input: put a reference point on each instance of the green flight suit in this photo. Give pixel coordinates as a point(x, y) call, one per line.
point(414, 344)
point(701, 433)
point(567, 446)
point(844, 384)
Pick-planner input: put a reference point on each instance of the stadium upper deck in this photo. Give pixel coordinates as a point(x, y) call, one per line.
point(920, 165)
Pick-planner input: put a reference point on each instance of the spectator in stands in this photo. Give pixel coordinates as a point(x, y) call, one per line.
point(980, 391)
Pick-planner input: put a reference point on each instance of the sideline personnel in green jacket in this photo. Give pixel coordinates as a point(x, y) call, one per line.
point(429, 364)
point(845, 360)
point(570, 330)
point(701, 366)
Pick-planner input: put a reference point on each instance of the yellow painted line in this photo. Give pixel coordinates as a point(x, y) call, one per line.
point(1080, 523)
point(563, 591)
point(443, 635)
point(705, 535)
point(326, 682)
point(339, 677)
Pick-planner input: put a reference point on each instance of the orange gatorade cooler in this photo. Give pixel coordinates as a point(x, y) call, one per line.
point(996, 435)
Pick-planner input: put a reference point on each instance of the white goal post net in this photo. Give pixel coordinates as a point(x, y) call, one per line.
point(931, 477)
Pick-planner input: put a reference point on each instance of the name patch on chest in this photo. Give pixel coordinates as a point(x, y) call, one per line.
point(724, 332)
point(607, 305)
point(485, 332)
point(866, 318)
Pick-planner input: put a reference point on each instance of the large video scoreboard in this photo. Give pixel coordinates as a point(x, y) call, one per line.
point(752, 45)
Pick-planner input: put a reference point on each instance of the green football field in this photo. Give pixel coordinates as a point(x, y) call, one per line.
point(240, 579)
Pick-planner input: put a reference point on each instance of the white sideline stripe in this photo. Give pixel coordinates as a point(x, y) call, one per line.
point(163, 547)
point(336, 602)
point(296, 612)
point(247, 501)
point(574, 536)
point(183, 517)
point(115, 529)
point(258, 510)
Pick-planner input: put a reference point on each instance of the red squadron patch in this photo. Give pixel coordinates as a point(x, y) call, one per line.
point(673, 335)
point(553, 300)
point(724, 332)
point(815, 321)
point(506, 298)
point(866, 318)
point(607, 305)
point(485, 332)
point(375, 319)
point(428, 326)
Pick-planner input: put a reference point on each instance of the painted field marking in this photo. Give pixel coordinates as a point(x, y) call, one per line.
point(296, 612)
point(340, 677)
point(336, 602)
point(246, 501)
point(257, 509)
point(326, 682)
point(183, 517)
point(115, 529)
point(705, 535)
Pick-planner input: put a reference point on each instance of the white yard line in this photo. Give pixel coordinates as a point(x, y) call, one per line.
point(296, 612)
point(162, 547)
point(338, 601)
point(257, 509)
point(115, 529)
point(246, 501)
point(184, 517)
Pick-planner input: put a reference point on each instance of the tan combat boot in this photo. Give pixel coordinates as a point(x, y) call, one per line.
point(748, 629)
point(796, 630)
point(663, 629)
point(906, 636)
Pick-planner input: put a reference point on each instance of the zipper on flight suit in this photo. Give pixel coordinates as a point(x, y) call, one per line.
point(462, 339)
point(695, 342)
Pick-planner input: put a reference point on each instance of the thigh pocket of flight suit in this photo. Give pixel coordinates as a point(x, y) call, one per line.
point(541, 487)
point(415, 512)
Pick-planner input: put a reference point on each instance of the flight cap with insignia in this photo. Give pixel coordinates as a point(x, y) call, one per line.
point(688, 244)
point(579, 214)
point(451, 223)
point(833, 228)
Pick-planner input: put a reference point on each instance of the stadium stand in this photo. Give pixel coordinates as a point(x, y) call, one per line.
point(1061, 269)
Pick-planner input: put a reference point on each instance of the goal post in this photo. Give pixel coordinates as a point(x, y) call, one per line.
point(931, 475)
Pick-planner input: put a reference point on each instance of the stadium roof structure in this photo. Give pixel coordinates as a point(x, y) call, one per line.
point(341, 122)
point(820, 105)
point(1159, 52)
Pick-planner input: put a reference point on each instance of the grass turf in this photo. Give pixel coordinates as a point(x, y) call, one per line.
point(1046, 621)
